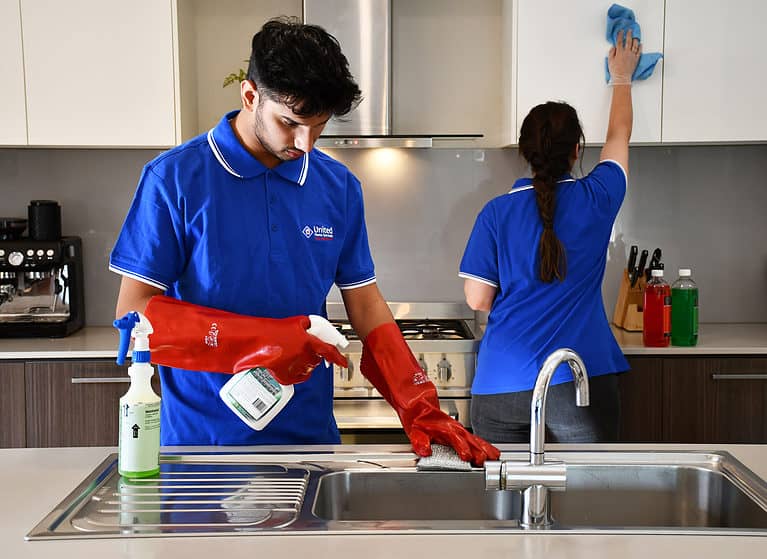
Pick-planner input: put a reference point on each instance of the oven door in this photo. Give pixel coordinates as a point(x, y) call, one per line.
point(374, 421)
point(375, 413)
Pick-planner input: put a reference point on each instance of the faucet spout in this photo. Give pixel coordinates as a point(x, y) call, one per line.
point(538, 404)
point(536, 478)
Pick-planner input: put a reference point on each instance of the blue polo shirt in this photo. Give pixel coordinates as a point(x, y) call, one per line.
point(211, 225)
point(530, 318)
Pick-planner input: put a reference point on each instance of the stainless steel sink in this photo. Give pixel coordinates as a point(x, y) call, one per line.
point(598, 496)
point(352, 492)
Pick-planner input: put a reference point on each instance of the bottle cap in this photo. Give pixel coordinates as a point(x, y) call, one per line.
point(656, 273)
point(685, 272)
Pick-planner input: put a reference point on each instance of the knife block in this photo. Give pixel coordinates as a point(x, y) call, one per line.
point(628, 308)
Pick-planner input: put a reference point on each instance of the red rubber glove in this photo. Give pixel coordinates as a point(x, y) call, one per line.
point(200, 338)
point(390, 366)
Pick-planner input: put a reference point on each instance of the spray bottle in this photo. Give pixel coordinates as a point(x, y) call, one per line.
point(256, 397)
point(139, 442)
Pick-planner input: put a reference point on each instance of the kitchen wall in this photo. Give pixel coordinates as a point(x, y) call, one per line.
point(703, 205)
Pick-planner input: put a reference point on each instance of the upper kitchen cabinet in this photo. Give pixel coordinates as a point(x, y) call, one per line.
point(449, 68)
point(13, 112)
point(99, 73)
point(214, 41)
point(714, 78)
point(560, 49)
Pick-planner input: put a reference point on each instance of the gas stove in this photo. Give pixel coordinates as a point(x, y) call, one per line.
point(419, 329)
point(443, 338)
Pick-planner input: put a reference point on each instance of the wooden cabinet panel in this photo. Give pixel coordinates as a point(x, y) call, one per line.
point(73, 403)
point(685, 393)
point(715, 400)
point(12, 406)
point(641, 392)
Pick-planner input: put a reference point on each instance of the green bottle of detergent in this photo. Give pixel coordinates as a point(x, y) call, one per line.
point(684, 310)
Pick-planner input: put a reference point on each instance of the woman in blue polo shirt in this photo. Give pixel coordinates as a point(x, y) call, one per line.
point(536, 258)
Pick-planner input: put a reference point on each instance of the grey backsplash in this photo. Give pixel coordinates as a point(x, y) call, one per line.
point(703, 205)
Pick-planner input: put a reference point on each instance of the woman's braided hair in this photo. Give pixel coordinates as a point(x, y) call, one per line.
point(547, 141)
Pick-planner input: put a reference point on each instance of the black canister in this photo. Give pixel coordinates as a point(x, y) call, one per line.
point(44, 221)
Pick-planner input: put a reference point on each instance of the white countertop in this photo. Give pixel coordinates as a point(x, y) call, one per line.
point(88, 343)
point(713, 339)
point(101, 342)
point(35, 480)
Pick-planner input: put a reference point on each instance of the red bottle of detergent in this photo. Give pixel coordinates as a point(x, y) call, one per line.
point(656, 331)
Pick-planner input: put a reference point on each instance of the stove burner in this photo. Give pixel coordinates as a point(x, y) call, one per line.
point(420, 329)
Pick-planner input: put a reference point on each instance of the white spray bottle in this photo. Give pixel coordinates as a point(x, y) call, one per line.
point(256, 397)
point(139, 443)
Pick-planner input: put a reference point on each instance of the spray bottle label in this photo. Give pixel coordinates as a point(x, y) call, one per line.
point(254, 393)
point(139, 436)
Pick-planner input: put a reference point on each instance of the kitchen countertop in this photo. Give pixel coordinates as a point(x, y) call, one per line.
point(101, 342)
point(713, 339)
point(35, 480)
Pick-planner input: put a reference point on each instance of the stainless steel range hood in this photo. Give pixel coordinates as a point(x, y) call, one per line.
point(364, 30)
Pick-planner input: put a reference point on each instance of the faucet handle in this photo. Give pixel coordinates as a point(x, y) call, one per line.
point(493, 475)
point(515, 475)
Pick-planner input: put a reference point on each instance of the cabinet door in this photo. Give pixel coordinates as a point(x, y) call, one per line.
point(714, 78)
point(715, 400)
point(99, 72)
point(687, 392)
point(73, 403)
point(13, 112)
point(642, 400)
point(12, 427)
point(740, 399)
point(561, 50)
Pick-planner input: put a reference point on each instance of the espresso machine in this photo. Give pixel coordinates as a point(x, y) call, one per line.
point(41, 276)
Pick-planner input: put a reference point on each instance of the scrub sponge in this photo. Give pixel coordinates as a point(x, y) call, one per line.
point(442, 458)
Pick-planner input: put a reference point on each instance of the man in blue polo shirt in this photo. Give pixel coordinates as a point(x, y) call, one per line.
point(238, 234)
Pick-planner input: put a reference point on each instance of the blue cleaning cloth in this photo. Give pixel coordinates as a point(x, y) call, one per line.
point(620, 18)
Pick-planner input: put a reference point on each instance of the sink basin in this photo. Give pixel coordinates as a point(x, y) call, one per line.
point(612, 491)
point(353, 492)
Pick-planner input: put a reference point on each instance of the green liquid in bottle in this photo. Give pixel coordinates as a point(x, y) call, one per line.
point(684, 317)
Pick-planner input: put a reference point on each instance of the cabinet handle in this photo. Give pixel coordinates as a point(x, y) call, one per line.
point(99, 380)
point(740, 376)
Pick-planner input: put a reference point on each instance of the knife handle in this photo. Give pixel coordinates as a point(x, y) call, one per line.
point(632, 258)
point(642, 262)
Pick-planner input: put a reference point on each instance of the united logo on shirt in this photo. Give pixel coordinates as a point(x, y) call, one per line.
point(319, 232)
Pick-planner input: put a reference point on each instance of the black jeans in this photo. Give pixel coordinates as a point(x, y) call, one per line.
point(505, 418)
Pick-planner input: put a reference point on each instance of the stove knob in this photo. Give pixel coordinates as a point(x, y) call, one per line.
point(345, 373)
point(422, 363)
point(15, 258)
point(444, 369)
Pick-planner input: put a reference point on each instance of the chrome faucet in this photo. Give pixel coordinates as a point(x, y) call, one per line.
point(535, 478)
point(538, 405)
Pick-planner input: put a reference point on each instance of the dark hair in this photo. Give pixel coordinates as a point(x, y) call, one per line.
point(303, 67)
point(547, 141)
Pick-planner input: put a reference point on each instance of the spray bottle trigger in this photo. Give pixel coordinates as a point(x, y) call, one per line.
point(125, 326)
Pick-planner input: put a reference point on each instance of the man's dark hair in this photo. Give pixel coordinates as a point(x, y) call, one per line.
point(303, 67)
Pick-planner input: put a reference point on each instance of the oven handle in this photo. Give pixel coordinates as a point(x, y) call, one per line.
point(352, 392)
point(368, 422)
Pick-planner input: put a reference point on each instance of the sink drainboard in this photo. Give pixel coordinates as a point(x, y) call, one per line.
point(186, 497)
